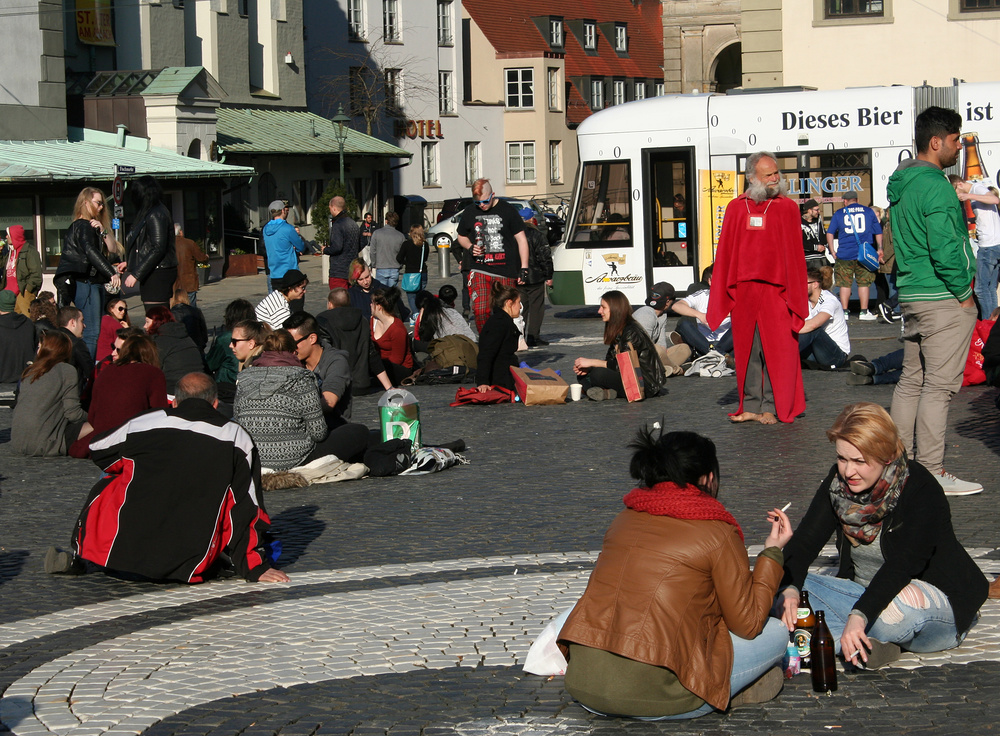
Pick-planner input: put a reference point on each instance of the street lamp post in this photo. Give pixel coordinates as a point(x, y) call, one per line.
point(340, 133)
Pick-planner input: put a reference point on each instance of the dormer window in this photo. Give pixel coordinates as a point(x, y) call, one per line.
point(589, 35)
point(621, 37)
point(556, 38)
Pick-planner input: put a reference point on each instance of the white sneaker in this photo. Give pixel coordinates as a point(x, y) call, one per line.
point(867, 316)
point(847, 316)
point(952, 486)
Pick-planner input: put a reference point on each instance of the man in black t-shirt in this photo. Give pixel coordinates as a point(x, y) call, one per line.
point(494, 232)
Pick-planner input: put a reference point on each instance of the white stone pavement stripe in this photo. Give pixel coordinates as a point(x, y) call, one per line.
point(172, 596)
point(125, 684)
point(182, 595)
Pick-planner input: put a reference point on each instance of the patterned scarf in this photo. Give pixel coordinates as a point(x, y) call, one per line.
point(861, 514)
point(680, 502)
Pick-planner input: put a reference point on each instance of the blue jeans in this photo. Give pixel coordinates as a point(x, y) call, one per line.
point(411, 296)
point(751, 659)
point(820, 347)
point(888, 368)
point(928, 629)
point(987, 274)
point(690, 330)
point(388, 276)
point(89, 299)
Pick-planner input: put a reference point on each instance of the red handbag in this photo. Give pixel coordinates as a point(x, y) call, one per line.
point(495, 395)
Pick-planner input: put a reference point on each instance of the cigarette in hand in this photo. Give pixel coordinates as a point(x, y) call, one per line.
point(786, 507)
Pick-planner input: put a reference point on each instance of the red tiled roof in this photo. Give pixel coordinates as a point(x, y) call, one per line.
point(514, 35)
point(577, 109)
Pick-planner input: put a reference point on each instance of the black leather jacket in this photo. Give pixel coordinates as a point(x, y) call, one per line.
point(151, 243)
point(653, 375)
point(83, 255)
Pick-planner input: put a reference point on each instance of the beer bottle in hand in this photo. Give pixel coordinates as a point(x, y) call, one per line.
point(805, 620)
point(824, 663)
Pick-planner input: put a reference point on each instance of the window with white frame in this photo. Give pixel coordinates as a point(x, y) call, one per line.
point(555, 163)
point(660, 89)
point(355, 19)
point(521, 162)
point(445, 35)
point(429, 164)
point(520, 87)
point(394, 90)
point(596, 94)
point(446, 93)
point(390, 20)
point(621, 37)
point(640, 90)
point(618, 92)
point(553, 87)
point(472, 167)
point(589, 35)
point(556, 32)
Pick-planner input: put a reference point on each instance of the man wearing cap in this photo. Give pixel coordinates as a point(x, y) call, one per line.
point(813, 240)
point(652, 317)
point(539, 276)
point(276, 307)
point(852, 225)
point(282, 243)
point(492, 230)
point(693, 327)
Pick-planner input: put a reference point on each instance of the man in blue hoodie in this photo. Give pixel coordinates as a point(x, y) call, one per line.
point(282, 242)
point(935, 269)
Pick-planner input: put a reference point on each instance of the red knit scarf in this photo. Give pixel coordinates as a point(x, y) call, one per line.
point(680, 502)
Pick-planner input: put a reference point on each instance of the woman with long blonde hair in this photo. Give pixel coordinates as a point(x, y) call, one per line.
point(90, 264)
point(413, 256)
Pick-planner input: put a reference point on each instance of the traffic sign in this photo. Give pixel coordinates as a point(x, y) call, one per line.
point(116, 224)
point(118, 189)
point(124, 169)
point(119, 211)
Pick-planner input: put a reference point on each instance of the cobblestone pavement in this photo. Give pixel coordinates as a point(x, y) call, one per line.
point(413, 601)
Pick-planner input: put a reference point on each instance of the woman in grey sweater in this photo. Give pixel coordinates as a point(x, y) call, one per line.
point(48, 417)
point(278, 404)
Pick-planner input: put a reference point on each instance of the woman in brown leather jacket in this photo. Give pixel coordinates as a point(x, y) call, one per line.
point(673, 622)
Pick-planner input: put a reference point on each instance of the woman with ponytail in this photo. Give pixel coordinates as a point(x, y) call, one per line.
point(498, 340)
point(673, 623)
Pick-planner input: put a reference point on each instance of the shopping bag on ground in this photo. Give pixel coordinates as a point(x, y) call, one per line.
point(628, 366)
point(537, 388)
point(399, 416)
point(544, 657)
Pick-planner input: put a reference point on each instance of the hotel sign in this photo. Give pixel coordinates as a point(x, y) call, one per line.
point(93, 22)
point(419, 129)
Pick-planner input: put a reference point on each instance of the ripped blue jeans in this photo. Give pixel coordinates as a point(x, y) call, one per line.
point(918, 619)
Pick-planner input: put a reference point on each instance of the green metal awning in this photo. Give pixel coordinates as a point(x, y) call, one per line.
point(257, 131)
point(91, 158)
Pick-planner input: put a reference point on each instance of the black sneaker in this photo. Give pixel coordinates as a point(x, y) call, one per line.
point(59, 562)
point(862, 368)
point(601, 394)
point(540, 342)
point(885, 314)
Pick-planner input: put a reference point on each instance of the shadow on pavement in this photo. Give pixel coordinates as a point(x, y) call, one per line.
point(296, 528)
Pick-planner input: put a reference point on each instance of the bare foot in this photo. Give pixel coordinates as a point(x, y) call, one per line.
point(747, 416)
point(767, 418)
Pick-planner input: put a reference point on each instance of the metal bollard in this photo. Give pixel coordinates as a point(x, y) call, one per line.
point(444, 260)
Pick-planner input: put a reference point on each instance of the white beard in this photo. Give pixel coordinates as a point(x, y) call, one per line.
point(758, 191)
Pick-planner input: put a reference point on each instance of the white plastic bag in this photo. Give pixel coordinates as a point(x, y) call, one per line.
point(544, 657)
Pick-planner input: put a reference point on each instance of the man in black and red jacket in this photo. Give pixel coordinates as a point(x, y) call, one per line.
point(180, 494)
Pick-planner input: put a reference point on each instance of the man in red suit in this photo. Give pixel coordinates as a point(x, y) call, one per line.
point(760, 280)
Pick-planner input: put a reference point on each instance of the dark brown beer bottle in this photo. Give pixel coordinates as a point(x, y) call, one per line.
point(824, 663)
point(805, 620)
point(972, 170)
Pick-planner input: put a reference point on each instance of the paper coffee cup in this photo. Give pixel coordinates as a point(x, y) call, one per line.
point(576, 391)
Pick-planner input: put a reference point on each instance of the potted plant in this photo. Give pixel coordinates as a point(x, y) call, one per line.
point(241, 263)
point(204, 269)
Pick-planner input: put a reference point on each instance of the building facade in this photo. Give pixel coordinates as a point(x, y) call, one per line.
point(548, 72)
point(397, 68)
point(701, 45)
point(831, 44)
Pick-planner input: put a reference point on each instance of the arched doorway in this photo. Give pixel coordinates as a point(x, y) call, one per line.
point(728, 71)
point(194, 149)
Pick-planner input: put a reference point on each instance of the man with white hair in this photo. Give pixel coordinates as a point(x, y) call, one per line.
point(760, 282)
